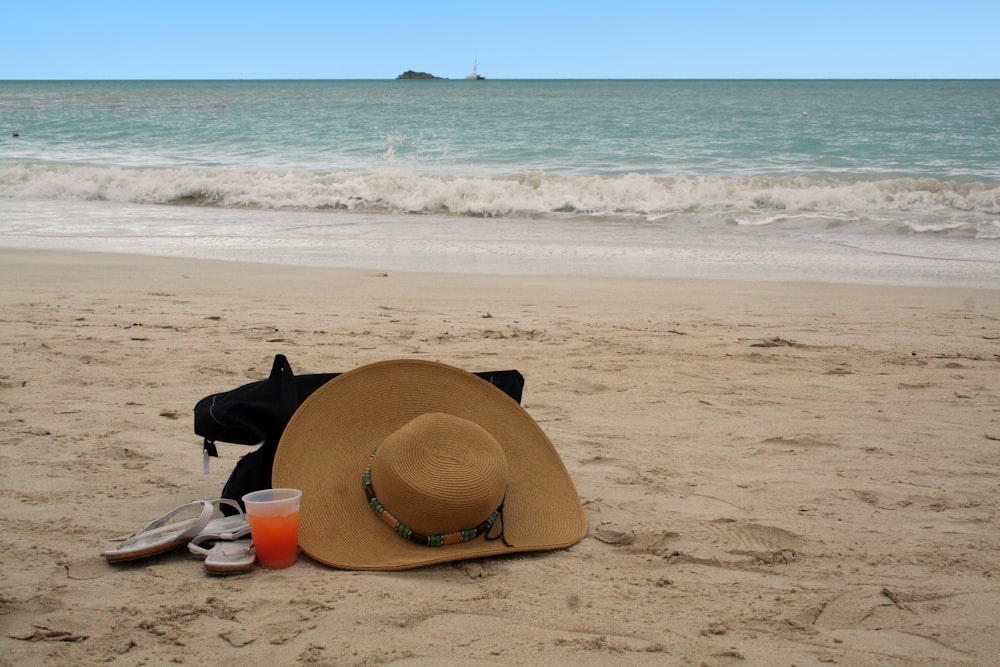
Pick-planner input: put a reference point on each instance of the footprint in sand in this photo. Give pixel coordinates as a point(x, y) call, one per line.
point(129, 458)
point(588, 388)
point(767, 543)
point(725, 543)
point(882, 621)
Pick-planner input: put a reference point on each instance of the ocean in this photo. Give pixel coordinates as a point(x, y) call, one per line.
point(857, 181)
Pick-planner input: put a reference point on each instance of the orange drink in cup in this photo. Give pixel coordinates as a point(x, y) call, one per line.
point(274, 526)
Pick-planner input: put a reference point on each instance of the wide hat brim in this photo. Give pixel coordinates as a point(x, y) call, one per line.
point(325, 448)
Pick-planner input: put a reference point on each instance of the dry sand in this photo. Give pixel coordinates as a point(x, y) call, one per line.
point(773, 473)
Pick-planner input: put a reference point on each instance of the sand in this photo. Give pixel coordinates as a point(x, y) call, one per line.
point(774, 473)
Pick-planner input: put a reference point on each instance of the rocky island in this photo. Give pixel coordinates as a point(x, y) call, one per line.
point(410, 74)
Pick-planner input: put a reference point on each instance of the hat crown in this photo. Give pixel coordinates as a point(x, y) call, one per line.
point(439, 474)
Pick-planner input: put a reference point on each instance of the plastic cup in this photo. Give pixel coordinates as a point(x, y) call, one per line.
point(274, 526)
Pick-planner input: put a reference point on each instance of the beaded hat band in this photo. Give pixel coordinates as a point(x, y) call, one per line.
point(440, 540)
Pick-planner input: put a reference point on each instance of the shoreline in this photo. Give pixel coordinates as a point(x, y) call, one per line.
point(772, 471)
point(468, 285)
point(682, 249)
point(828, 264)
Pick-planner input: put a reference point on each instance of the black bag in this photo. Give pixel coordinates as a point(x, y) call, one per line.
point(257, 413)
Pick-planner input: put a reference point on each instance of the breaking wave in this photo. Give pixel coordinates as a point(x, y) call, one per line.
point(921, 205)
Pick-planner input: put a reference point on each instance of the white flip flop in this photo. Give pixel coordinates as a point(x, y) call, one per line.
point(220, 544)
point(227, 556)
point(164, 534)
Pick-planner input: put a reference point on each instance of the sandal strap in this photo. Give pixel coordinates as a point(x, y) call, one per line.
point(162, 525)
point(231, 503)
point(226, 530)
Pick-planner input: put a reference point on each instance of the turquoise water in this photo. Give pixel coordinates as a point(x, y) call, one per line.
point(889, 162)
point(933, 129)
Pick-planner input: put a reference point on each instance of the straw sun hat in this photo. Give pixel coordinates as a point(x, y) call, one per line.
point(409, 463)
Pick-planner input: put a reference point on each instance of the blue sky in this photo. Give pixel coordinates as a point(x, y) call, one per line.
point(373, 39)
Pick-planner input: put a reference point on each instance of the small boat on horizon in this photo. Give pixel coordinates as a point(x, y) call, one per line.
point(475, 75)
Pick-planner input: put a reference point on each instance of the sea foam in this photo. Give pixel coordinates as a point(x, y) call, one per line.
point(918, 204)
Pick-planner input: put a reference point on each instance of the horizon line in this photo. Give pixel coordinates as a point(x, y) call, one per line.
point(442, 78)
